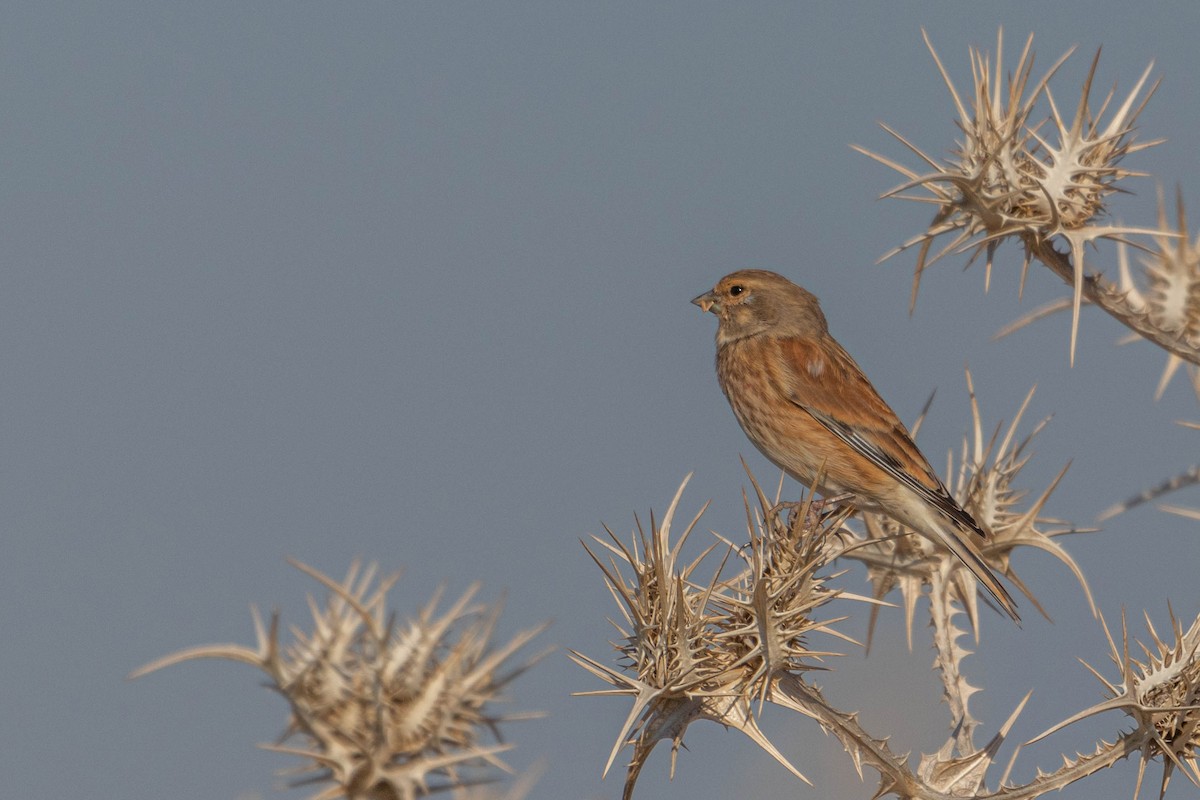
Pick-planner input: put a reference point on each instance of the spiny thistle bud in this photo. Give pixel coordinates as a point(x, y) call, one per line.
point(703, 650)
point(1007, 179)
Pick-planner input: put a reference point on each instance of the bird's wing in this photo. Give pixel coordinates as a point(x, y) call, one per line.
point(821, 378)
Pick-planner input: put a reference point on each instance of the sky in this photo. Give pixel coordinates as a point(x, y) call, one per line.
point(409, 283)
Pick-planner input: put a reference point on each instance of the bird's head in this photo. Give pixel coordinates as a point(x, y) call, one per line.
point(754, 301)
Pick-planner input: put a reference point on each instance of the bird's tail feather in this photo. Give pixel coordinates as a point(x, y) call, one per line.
point(954, 539)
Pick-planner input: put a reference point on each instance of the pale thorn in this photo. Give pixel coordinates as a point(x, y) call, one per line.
point(1012, 428)
point(1076, 243)
point(1173, 364)
point(1039, 313)
point(962, 109)
point(1004, 733)
point(975, 416)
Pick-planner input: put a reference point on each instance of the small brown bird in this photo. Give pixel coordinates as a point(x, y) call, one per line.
point(808, 408)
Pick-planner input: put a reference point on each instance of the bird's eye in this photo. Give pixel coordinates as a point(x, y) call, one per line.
point(734, 291)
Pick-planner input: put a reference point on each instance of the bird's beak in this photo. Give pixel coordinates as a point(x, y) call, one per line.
point(706, 301)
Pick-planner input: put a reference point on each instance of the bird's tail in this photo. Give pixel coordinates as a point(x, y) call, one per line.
point(955, 540)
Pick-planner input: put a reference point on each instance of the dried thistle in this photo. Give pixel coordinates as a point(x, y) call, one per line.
point(1171, 297)
point(719, 649)
point(1171, 271)
point(381, 711)
point(1161, 694)
point(705, 649)
point(1008, 179)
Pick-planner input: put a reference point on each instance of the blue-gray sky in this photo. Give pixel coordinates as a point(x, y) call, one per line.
point(410, 282)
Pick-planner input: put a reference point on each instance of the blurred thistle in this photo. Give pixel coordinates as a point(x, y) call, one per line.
point(1171, 270)
point(381, 711)
point(1008, 178)
point(1189, 477)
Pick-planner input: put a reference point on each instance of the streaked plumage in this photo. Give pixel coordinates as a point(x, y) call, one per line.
point(807, 407)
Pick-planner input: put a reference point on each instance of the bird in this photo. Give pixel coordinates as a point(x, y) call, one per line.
point(807, 406)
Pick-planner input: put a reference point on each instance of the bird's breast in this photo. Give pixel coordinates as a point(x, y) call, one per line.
point(751, 378)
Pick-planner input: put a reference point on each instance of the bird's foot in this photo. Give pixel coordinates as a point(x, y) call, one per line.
point(816, 509)
point(793, 511)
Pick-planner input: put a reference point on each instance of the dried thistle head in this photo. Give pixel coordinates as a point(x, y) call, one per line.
point(704, 649)
point(1166, 293)
point(379, 710)
point(1009, 178)
point(1160, 692)
point(765, 615)
point(1171, 274)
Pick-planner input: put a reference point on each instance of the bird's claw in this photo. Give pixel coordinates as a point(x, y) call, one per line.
point(816, 509)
